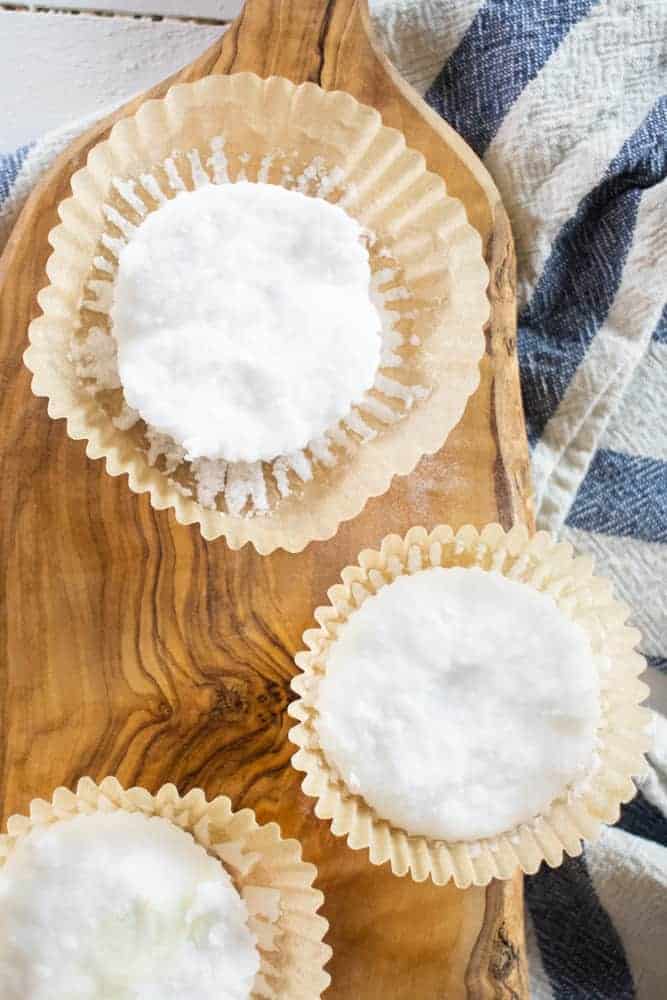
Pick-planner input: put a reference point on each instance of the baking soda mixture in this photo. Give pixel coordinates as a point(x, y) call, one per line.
point(243, 319)
point(119, 906)
point(459, 703)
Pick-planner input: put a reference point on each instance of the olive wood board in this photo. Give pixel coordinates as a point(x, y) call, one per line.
point(130, 646)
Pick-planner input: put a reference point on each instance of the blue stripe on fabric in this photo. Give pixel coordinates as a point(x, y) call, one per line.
point(10, 164)
point(580, 949)
point(507, 44)
point(583, 272)
point(658, 663)
point(660, 332)
point(624, 495)
point(643, 819)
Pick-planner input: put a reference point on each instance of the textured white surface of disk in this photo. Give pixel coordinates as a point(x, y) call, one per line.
point(243, 319)
point(120, 906)
point(459, 703)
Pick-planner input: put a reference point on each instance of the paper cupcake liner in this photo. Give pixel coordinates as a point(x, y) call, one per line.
point(623, 735)
point(429, 280)
point(268, 872)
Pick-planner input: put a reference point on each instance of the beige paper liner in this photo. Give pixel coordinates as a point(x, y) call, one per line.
point(329, 144)
point(539, 562)
point(268, 872)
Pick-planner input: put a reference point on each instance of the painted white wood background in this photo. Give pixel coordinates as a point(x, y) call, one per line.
point(60, 64)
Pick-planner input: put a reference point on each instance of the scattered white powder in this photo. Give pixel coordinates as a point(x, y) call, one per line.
point(121, 907)
point(161, 446)
point(127, 417)
point(322, 452)
point(199, 176)
point(100, 297)
point(245, 481)
point(244, 321)
point(281, 475)
point(459, 703)
point(174, 178)
point(210, 477)
point(95, 358)
point(300, 464)
point(265, 167)
point(217, 161)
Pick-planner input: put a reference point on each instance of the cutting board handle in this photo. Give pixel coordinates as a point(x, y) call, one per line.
point(296, 38)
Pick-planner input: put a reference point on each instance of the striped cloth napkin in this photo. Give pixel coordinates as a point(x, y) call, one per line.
point(565, 102)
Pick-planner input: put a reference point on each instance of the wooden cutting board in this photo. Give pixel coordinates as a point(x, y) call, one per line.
point(132, 647)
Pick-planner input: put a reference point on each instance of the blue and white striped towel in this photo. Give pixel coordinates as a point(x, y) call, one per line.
point(565, 101)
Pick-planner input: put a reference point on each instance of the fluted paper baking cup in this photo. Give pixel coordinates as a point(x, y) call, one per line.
point(267, 871)
point(429, 283)
point(623, 736)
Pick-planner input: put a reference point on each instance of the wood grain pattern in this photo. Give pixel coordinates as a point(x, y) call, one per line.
point(132, 647)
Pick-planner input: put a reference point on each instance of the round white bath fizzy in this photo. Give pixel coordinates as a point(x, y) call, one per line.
point(243, 319)
point(459, 703)
point(120, 906)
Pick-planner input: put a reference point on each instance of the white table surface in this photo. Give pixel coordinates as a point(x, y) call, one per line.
point(60, 64)
point(61, 60)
